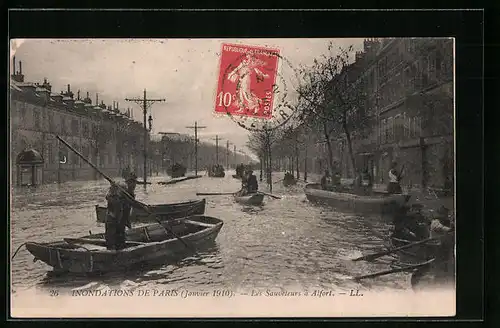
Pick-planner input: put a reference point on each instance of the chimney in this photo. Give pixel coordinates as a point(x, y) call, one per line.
point(69, 88)
point(78, 95)
point(20, 67)
point(97, 99)
point(87, 94)
point(14, 65)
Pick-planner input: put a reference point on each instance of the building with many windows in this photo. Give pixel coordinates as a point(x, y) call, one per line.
point(409, 88)
point(106, 135)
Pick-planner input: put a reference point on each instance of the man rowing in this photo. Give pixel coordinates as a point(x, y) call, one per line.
point(118, 212)
point(249, 184)
point(442, 245)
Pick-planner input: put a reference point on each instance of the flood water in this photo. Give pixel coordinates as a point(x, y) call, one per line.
point(285, 243)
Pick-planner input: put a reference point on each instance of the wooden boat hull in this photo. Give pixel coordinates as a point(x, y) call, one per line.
point(164, 211)
point(217, 175)
point(383, 204)
point(253, 199)
point(151, 243)
point(289, 182)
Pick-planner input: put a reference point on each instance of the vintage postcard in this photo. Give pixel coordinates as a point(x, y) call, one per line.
point(189, 178)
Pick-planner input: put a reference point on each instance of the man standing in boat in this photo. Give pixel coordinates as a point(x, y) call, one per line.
point(118, 212)
point(394, 186)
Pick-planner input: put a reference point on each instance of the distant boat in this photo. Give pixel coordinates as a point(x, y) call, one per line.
point(176, 170)
point(164, 211)
point(378, 203)
point(216, 171)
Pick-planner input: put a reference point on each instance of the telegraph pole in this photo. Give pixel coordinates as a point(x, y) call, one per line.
point(195, 127)
point(227, 154)
point(217, 139)
point(145, 103)
point(234, 156)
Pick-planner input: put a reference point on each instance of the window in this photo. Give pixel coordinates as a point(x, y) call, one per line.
point(383, 131)
point(63, 125)
point(51, 122)
point(75, 127)
point(86, 151)
point(50, 153)
point(390, 130)
point(85, 130)
point(398, 127)
point(406, 126)
point(418, 127)
point(36, 119)
point(431, 66)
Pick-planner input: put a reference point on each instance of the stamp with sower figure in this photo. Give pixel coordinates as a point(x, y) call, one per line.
point(250, 88)
point(247, 77)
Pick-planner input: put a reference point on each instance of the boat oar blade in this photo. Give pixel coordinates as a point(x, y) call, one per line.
point(270, 195)
point(383, 273)
point(214, 193)
point(371, 257)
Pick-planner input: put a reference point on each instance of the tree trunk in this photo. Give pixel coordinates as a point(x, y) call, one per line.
point(269, 180)
point(329, 147)
point(297, 160)
point(305, 165)
point(349, 146)
point(261, 167)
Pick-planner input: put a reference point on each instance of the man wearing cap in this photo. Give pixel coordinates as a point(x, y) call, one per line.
point(249, 183)
point(394, 186)
point(118, 212)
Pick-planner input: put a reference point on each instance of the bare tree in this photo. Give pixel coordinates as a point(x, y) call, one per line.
point(333, 98)
point(261, 143)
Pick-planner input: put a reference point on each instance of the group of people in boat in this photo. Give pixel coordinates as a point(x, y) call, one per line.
point(363, 183)
point(240, 170)
point(411, 225)
point(216, 170)
point(249, 184)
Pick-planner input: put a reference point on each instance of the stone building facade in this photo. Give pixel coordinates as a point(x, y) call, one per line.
point(104, 134)
point(409, 88)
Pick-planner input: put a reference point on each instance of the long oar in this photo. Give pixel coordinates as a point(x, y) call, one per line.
point(383, 273)
point(214, 193)
point(144, 206)
point(270, 195)
point(371, 257)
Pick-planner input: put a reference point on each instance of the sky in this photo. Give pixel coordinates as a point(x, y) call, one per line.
point(182, 71)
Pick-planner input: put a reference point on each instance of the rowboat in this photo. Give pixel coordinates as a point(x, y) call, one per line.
point(251, 199)
point(88, 254)
point(378, 203)
point(164, 211)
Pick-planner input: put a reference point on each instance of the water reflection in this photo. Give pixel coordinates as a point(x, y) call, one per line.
point(281, 243)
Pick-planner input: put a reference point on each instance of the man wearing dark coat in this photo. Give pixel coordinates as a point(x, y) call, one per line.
point(118, 212)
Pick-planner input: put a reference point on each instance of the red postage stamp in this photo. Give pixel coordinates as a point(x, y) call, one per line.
point(247, 76)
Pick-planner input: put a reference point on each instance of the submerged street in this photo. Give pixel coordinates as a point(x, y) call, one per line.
point(287, 243)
